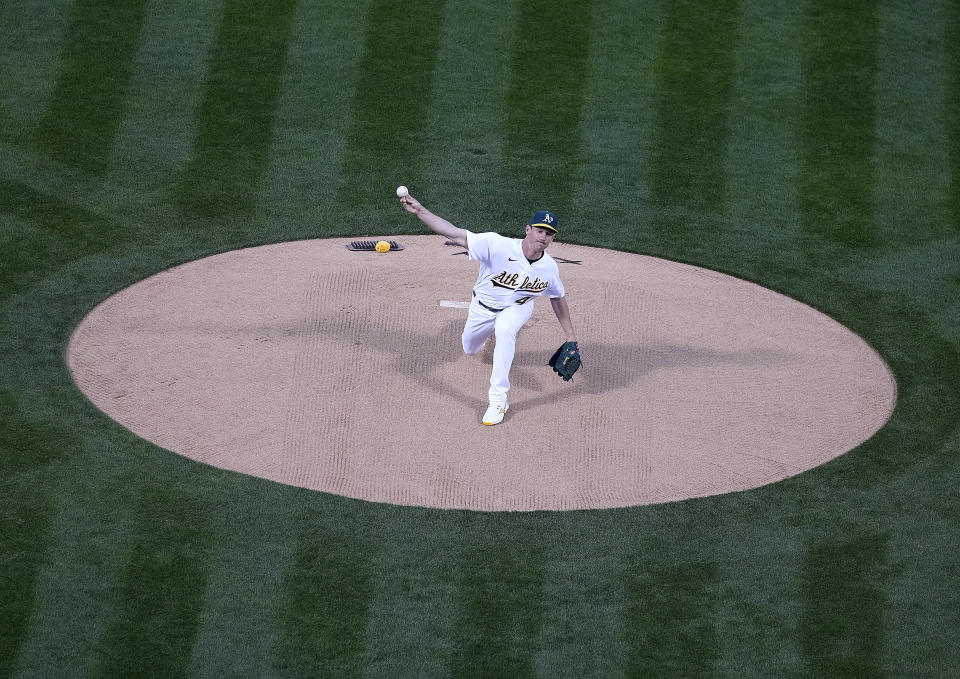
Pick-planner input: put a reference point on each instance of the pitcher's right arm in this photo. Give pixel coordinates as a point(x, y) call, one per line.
point(438, 225)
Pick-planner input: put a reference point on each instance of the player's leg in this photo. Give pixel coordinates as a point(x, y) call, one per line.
point(478, 328)
point(507, 325)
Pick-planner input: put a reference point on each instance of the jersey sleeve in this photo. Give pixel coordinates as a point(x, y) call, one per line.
point(480, 245)
point(555, 289)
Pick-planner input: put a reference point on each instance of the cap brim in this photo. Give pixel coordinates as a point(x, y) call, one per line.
point(544, 226)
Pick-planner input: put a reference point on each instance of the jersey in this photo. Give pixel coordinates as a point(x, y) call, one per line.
point(506, 276)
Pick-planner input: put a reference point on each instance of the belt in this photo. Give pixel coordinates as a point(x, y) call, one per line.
point(488, 308)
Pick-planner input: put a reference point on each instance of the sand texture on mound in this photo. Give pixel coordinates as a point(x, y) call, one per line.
point(342, 371)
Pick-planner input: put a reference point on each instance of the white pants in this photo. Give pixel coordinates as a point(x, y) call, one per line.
point(481, 323)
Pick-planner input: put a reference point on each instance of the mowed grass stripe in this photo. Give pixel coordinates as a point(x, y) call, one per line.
point(88, 102)
point(235, 122)
point(670, 620)
point(755, 602)
point(96, 193)
point(906, 473)
point(611, 203)
point(837, 170)
point(250, 553)
point(926, 366)
point(325, 605)
point(501, 613)
point(922, 589)
point(160, 600)
point(761, 162)
point(919, 258)
point(466, 179)
point(31, 36)
point(390, 110)
point(30, 447)
point(952, 108)
point(313, 122)
point(584, 631)
point(154, 139)
point(841, 630)
point(912, 152)
point(551, 53)
point(58, 232)
point(413, 606)
point(85, 551)
point(694, 85)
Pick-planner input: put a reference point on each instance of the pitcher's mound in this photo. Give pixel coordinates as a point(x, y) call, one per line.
point(342, 371)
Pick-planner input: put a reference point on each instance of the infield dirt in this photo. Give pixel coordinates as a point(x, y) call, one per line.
point(340, 371)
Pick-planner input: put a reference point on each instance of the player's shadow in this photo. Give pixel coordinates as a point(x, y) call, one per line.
point(607, 366)
point(427, 357)
point(611, 366)
point(411, 352)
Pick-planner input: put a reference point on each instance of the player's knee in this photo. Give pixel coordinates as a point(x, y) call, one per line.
point(471, 346)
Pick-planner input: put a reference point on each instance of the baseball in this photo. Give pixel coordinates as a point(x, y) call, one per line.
point(382, 245)
point(402, 191)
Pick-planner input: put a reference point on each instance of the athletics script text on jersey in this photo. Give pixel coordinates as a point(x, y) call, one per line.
point(508, 280)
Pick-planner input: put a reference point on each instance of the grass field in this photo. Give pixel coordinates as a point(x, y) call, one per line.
point(812, 147)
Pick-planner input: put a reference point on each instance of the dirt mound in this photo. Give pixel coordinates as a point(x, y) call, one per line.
point(342, 372)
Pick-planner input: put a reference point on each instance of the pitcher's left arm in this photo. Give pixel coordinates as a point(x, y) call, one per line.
point(562, 310)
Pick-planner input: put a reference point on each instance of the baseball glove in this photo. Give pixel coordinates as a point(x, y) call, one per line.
point(566, 360)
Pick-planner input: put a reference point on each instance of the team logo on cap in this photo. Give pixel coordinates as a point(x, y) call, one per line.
point(544, 219)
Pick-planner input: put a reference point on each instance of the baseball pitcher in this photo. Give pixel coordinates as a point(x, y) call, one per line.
point(513, 272)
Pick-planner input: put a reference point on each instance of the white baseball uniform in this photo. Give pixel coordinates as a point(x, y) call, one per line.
point(503, 300)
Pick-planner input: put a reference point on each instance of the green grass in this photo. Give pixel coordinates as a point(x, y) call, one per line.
point(837, 176)
point(811, 147)
point(86, 108)
point(158, 600)
point(236, 117)
point(544, 100)
point(389, 122)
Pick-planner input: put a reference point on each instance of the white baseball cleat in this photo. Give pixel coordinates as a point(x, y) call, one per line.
point(495, 413)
